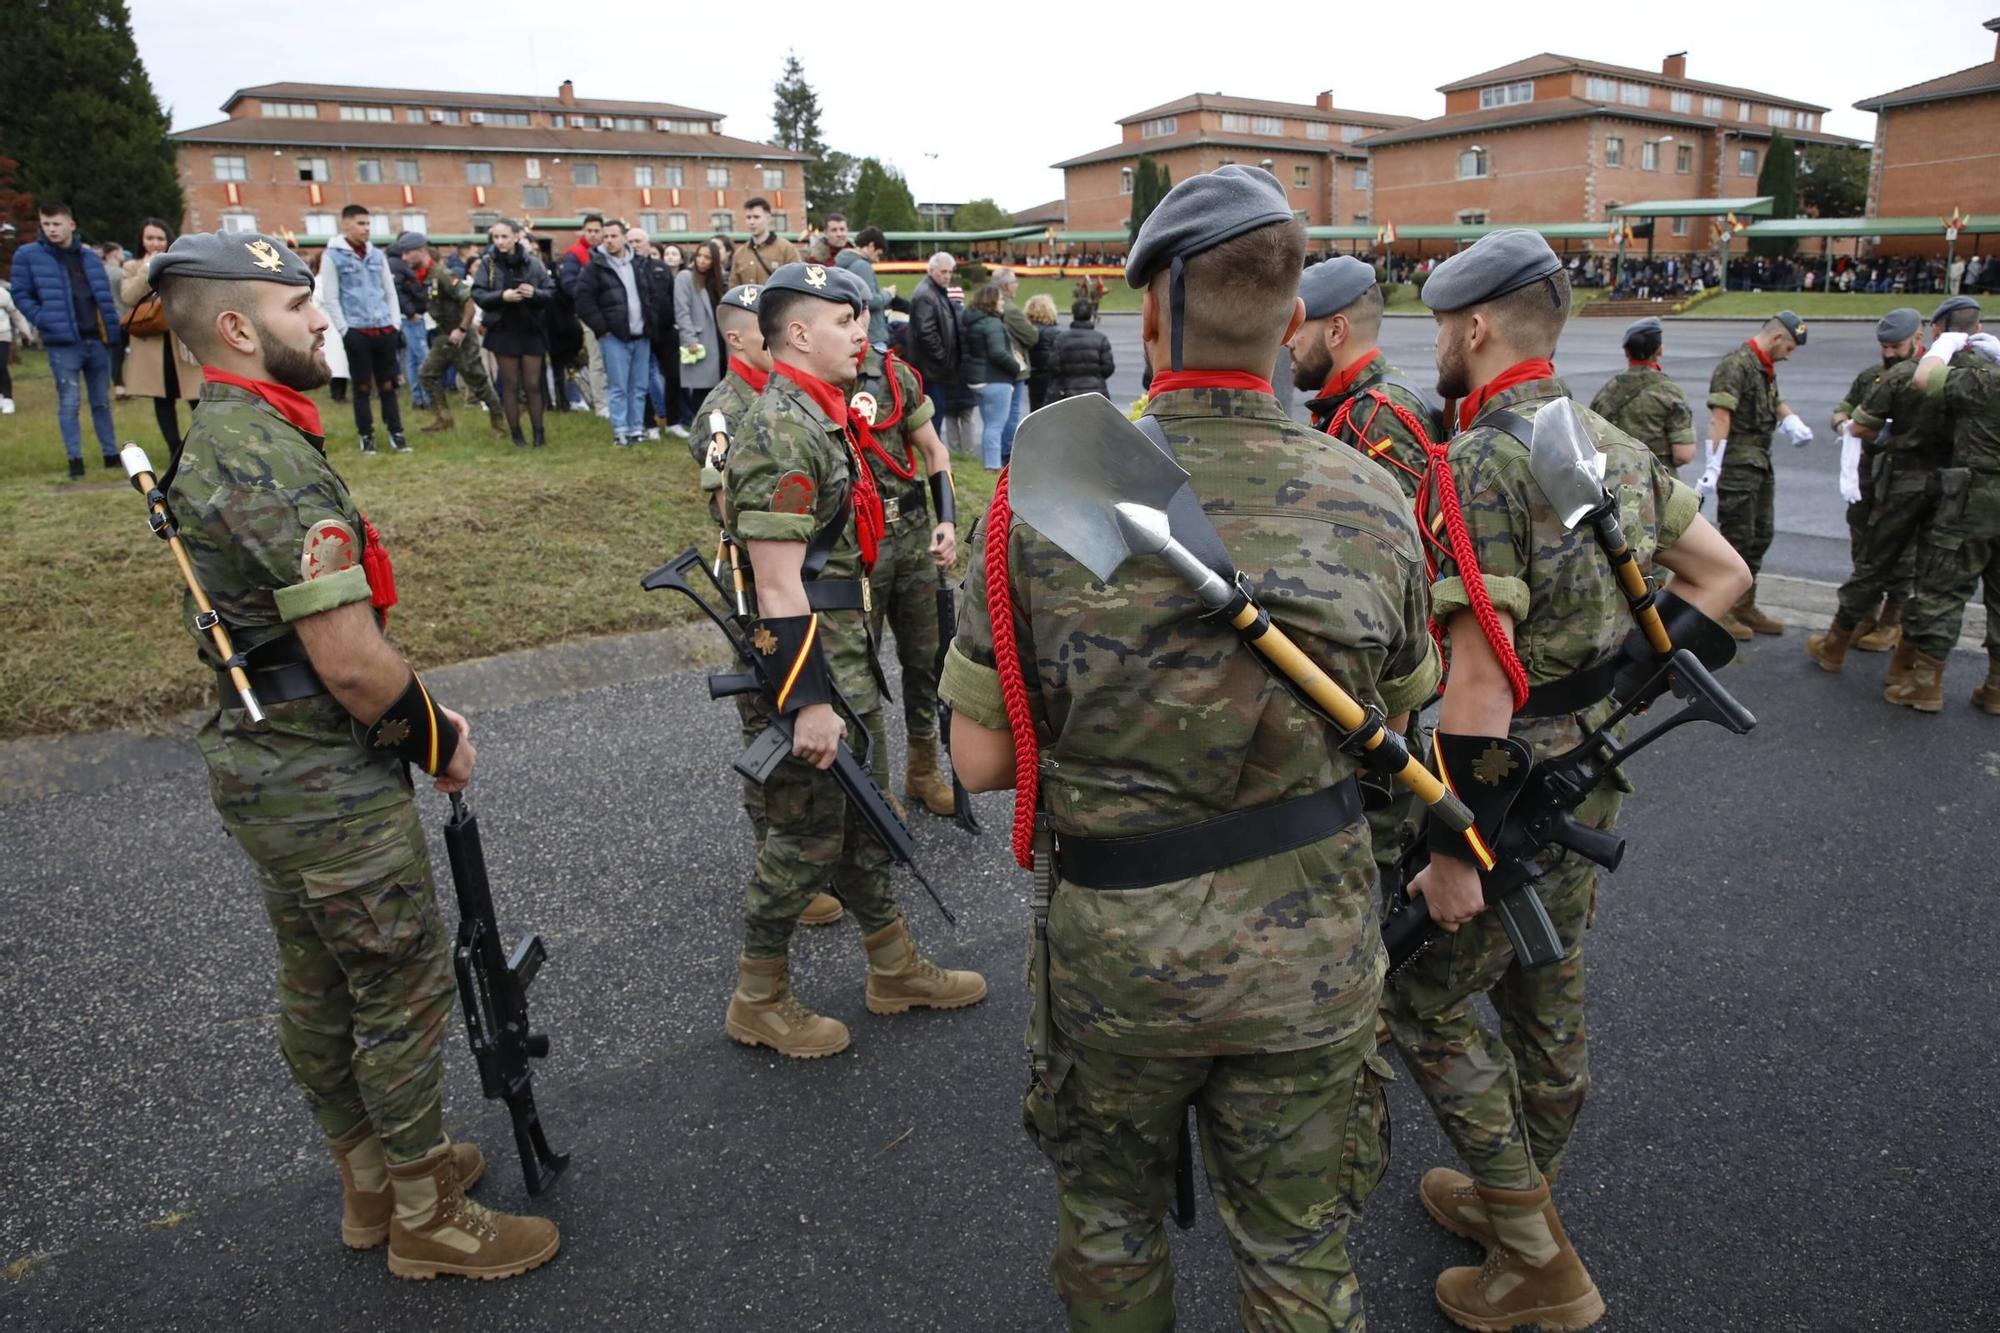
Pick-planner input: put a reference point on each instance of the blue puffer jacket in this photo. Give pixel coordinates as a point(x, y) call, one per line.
point(42, 291)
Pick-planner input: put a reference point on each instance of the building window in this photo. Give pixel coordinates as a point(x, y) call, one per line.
point(1635, 94)
point(1472, 164)
point(559, 122)
point(534, 196)
point(649, 223)
point(682, 126)
point(718, 178)
point(1124, 180)
point(368, 170)
point(414, 115)
point(1472, 217)
point(1712, 107)
point(290, 110)
point(1614, 151)
point(583, 173)
point(677, 222)
point(1267, 125)
point(1600, 90)
point(774, 178)
point(1743, 111)
point(1780, 117)
point(1746, 161)
point(1349, 133)
point(1362, 178)
point(1808, 120)
point(408, 172)
point(781, 223)
point(479, 173)
point(1506, 94)
point(239, 222)
point(513, 120)
point(675, 177)
point(1158, 127)
point(484, 218)
point(1318, 129)
point(1649, 156)
point(380, 113)
point(1359, 219)
point(642, 176)
point(311, 168)
point(414, 222)
point(1680, 227)
point(378, 225)
point(1301, 177)
point(532, 168)
point(230, 167)
point(1681, 102)
point(1234, 123)
point(1684, 158)
point(447, 117)
point(320, 224)
point(722, 220)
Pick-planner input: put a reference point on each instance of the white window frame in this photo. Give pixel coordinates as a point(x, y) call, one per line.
point(1746, 162)
point(1159, 127)
point(1712, 107)
point(1506, 94)
point(1680, 227)
point(532, 168)
point(413, 176)
point(1363, 178)
point(289, 110)
point(578, 170)
point(413, 222)
point(1301, 177)
point(642, 177)
point(1482, 160)
point(674, 177)
point(1598, 89)
point(773, 178)
point(1684, 158)
point(1273, 126)
point(479, 173)
point(378, 225)
point(362, 169)
point(237, 224)
point(1124, 180)
point(1635, 94)
point(1743, 110)
point(1235, 122)
point(527, 193)
point(312, 169)
point(1680, 102)
point(1471, 217)
point(373, 114)
point(1649, 156)
point(320, 224)
point(718, 177)
point(1318, 129)
point(1614, 150)
point(721, 219)
point(1349, 133)
point(231, 166)
point(678, 223)
point(649, 223)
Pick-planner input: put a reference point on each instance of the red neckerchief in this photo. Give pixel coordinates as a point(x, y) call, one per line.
point(1763, 359)
point(864, 431)
point(423, 274)
point(1167, 381)
point(1341, 382)
point(1630, 364)
point(749, 374)
point(870, 522)
point(1541, 368)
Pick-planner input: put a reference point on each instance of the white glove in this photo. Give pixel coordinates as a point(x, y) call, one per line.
point(1711, 471)
point(1986, 345)
point(1948, 345)
point(1795, 430)
point(1850, 466)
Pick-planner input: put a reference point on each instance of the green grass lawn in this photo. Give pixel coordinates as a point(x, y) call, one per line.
point(495, 549)
point(1740, 305)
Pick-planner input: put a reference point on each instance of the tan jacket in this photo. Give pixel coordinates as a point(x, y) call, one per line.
point(145, 358)
point(756, 264)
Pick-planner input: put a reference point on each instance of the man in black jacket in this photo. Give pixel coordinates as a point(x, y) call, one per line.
point(1083, 356)
point(618, 298)
point(936, 348)
point(412, 299)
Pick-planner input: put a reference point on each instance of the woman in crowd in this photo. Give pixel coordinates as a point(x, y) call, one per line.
point(1042, 359)
point(156, 365)
point(513, 287)
point(698, 290)
point(989, 370)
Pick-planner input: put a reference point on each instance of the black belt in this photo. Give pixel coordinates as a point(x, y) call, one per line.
point(1572, 693)
point(835, 595)
point(279, 672)
point(1141, 860)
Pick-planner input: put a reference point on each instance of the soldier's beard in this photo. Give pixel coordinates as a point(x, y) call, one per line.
point(1454, 376)
point(300, 370)
point(1311, 365)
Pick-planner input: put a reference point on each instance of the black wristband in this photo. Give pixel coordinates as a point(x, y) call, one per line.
point(415, 729)
point(1639, 672)
point(791, 661)
point(943, 501)
point(1485, 772)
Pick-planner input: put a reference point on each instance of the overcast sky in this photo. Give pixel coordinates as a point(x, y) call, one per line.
point(980, 103)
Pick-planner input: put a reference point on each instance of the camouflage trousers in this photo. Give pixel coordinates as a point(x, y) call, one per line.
point(365, 984)
point(471, 367)
point(1293, 1142)
point(1744, 501)
point(1885, 547)
point(812, 839)
point(1507, 1103)
point(1957, 558)
point(904, 588)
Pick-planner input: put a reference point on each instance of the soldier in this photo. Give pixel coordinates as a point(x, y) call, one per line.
point(1335, 358)
point(749, 372)
point(1528, 633)
point(1242, 982)
point(1962, 548)
point(318, 795)
point(1744, 408)
point(811, 522)
point(455, 344)
point(1893, 481)
point(1644, 402)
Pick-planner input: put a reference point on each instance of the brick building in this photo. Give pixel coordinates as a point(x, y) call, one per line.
point(291, 155)
point(1556, 139)
point(1937, 149)
point(1310, 147)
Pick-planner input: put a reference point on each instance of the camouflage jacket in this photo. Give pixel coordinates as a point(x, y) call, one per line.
point(789, 472)
point(733, 398)
point(1857, 394)
point(1920, 430)
point(1151, 717)
point(911, 494)
point(445, 295)
point(1740, 387)
point(1374, 429)
point(274, 536)
point(1567, 607)
point(1971, 399)
point(1647, 405)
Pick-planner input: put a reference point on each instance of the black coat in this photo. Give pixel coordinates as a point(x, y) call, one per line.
point(1042, 366)
point(1083, 362)
point(600, 297)
point(936, 346)
point(410, 294)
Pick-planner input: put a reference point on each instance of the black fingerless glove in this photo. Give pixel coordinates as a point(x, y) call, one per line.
point(943, 501)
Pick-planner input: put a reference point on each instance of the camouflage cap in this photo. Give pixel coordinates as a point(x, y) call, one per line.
point(1330, 288)
point(230, 257)
point(1497, 263)
point(743, 296)
point(1793, 325)
point(1201, 213)
point(1952, 306)
point(821, 280)
point(1899, 325)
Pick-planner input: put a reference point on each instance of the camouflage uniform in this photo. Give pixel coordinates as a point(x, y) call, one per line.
point(1248, 992)
point(447, 294)
point(1509, 1103)
point(733, 397)
point(1859, 511)
point(364, 974)
point(905, 578)
point(788, 471)
point(1747, 489)
point(1646, 404)
point(1962, 549)
point(1375, 430)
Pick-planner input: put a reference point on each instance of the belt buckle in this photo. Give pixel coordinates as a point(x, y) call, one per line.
point(892, 509)
point(867, 594)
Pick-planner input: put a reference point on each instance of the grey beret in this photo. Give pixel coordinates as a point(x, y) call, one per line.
point(1201, 213)
point(857, 290)
point(821, 280)
point(409, 240)
point(743, 296)
point(1793, 325)
point(1952, 306)
point(1650, 324)
point(1497, 263)
point(1899, 325)
point(1330, 288)
point(230, 257)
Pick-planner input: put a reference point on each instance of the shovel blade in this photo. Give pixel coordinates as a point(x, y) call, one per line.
point(1074, 462)
point(1565, 462)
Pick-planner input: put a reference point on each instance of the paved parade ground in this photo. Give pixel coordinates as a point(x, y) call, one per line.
point(1795, 1017)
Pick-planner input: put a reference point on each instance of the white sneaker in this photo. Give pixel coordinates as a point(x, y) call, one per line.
point(6, 407)
point(678, 432)
point(652, 432)
point(604, 412)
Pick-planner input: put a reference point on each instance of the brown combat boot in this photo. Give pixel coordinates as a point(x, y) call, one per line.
point(1923, 689)
point(440, 418)
point(1986, 698)
point(823, 910)
point(764, 1012)
point(366, 1201)
point(1453, 1202)
point(901, 979)
point(1737, 630)
point(1748, 615)
point(1829, 646)
point(437, 1230)
point(1531, 1275)
point(1884, 632)
point(1899, 665)
point(922, 782)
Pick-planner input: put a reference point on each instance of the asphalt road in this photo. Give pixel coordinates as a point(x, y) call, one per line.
point(1795, 1016)
point(1811, 537)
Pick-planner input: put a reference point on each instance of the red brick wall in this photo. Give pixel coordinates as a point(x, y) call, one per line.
point(1097, 202)
point(1934, 157)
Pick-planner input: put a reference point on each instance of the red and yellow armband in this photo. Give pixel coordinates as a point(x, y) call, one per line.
point(793, 662)
point(415, 729)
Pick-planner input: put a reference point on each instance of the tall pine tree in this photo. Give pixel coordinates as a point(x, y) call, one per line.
point(78, 113)
point(1150, 183)
point(1779, 179)
point(829, 178)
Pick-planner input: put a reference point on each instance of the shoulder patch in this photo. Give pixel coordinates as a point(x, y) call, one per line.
point(330, 548)
point(794, 494)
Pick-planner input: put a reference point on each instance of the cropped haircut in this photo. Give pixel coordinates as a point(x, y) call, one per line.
point(729, 317)
point(589, 218)
point(774, 311)
point(1364, 313)
point(355, 211)
point(756, 201)
point(1963, 320)
point(193, 304)
point(832, 218)
point(1531, 318)
point(870, 236)
point(1240, 295)
point(55, 208)
point(1643, 345)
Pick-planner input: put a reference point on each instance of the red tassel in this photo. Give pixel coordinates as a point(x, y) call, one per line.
point(381, 573)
